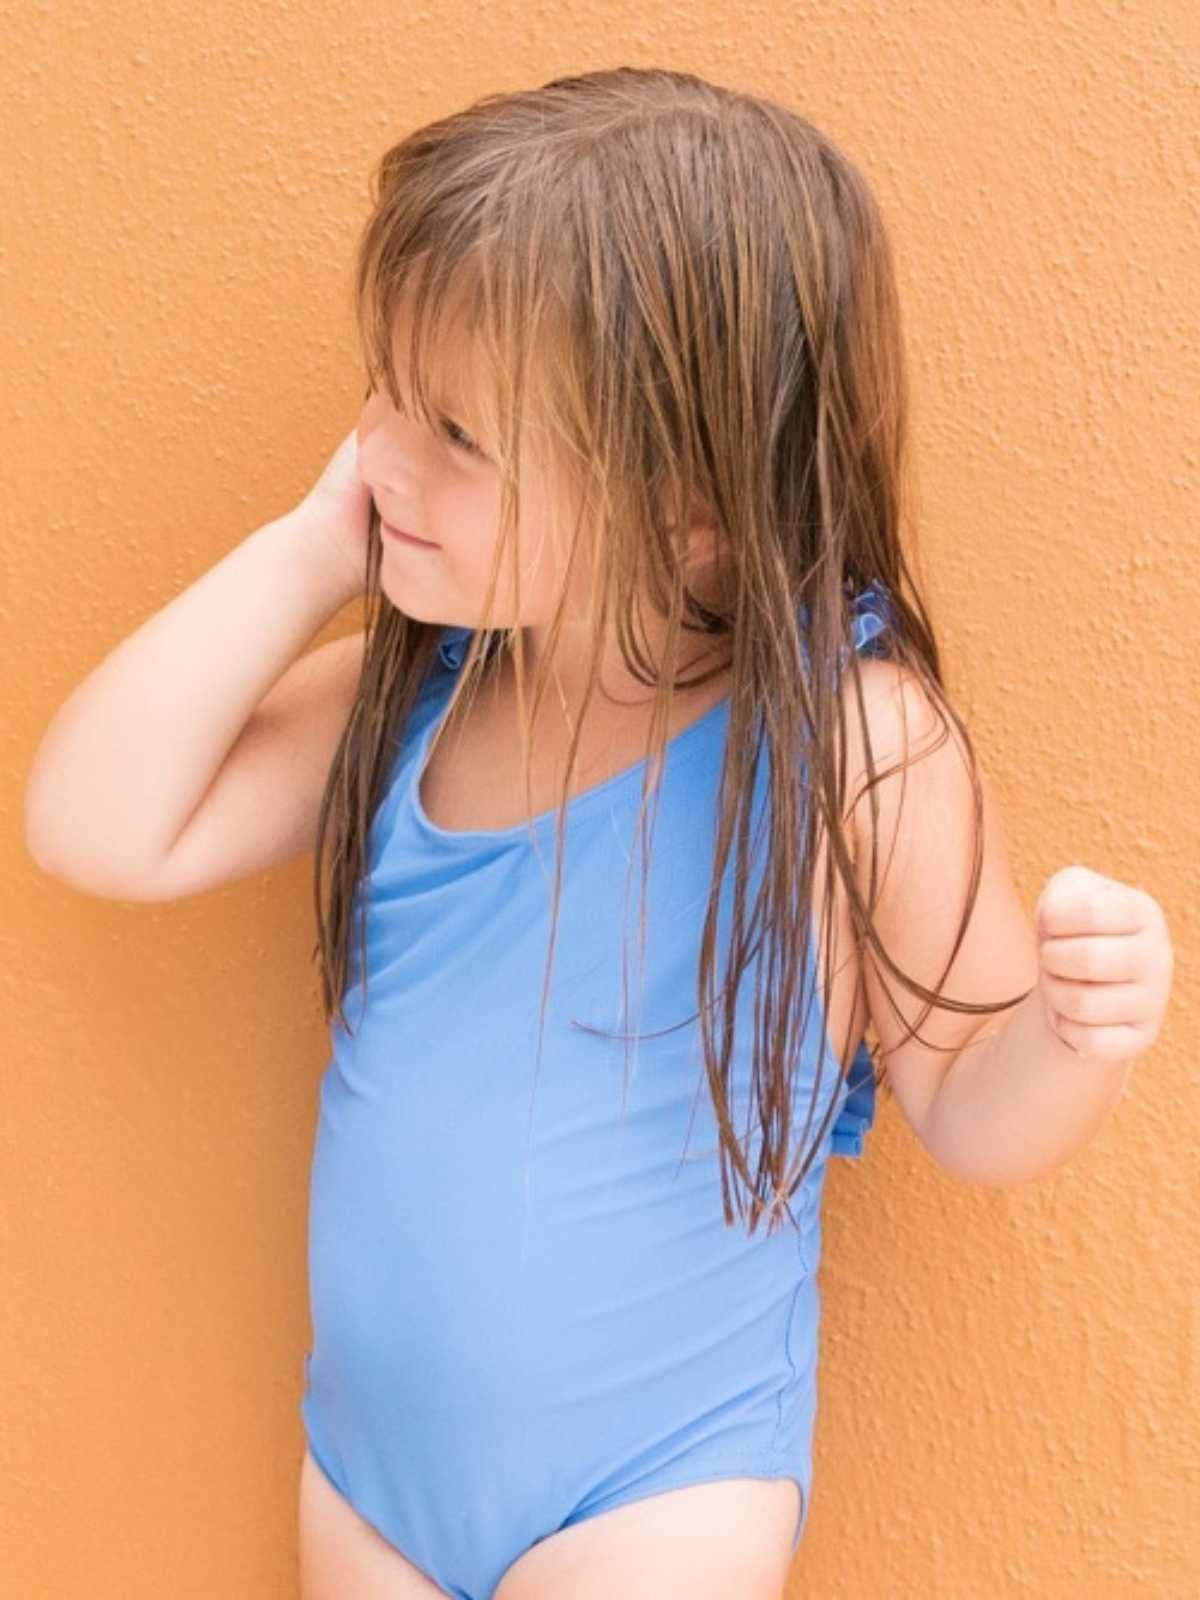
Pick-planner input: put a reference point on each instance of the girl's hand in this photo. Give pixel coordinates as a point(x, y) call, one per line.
point(337, 510)
point(1105, 963)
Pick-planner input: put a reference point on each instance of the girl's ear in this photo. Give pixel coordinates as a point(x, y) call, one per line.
point(701, 534)
point(700, 540)
point(700, 524)
point(708, 577)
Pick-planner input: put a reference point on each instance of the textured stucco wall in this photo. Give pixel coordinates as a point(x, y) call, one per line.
point(1010, 1380)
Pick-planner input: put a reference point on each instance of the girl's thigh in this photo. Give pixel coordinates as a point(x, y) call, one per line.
point(707, 1541)
point(342, 1557)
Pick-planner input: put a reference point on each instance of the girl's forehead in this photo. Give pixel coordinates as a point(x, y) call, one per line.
point(447, 326)
point(453, 365)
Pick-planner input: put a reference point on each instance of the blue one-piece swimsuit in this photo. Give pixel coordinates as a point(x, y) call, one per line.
point(527, 1307)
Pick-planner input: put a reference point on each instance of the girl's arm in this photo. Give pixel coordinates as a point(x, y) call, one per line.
point(128, 757)
point(1007, 1099)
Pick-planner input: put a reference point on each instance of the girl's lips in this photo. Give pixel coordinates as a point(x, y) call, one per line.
point(406, 538)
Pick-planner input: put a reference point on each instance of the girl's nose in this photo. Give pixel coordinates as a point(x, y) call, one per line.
point(388, 449)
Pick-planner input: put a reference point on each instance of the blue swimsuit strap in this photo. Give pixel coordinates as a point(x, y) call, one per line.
point(871, 611)
point(872, 616)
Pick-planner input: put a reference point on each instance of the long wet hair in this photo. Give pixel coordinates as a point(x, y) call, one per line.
point(681, 295)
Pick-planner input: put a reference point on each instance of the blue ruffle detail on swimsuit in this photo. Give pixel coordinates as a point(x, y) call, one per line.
point(853, 1122)
point(453, 648)
point(872, 616)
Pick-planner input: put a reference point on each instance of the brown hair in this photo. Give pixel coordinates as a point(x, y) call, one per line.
point(682, 294)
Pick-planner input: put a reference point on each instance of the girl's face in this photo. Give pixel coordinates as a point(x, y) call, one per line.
point(443, 485)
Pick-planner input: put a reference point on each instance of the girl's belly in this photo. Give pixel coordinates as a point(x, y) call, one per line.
point(474, 1265)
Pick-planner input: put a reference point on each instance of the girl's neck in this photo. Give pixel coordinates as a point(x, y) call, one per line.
point(617, 693)
point(616, 726)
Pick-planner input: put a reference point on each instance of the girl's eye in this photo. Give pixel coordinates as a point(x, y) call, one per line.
point(457, 437)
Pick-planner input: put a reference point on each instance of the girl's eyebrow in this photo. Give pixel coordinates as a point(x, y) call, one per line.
point(453, 361)
point(437, 397)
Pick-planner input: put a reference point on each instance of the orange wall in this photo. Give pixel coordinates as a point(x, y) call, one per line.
point(1010, 1379)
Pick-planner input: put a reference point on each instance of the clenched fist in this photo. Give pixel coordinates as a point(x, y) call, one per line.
point(1105, 961)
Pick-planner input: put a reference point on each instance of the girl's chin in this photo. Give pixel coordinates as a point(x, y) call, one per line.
point(416, 599)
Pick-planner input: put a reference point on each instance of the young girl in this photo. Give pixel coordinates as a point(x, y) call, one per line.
point(634, 805)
